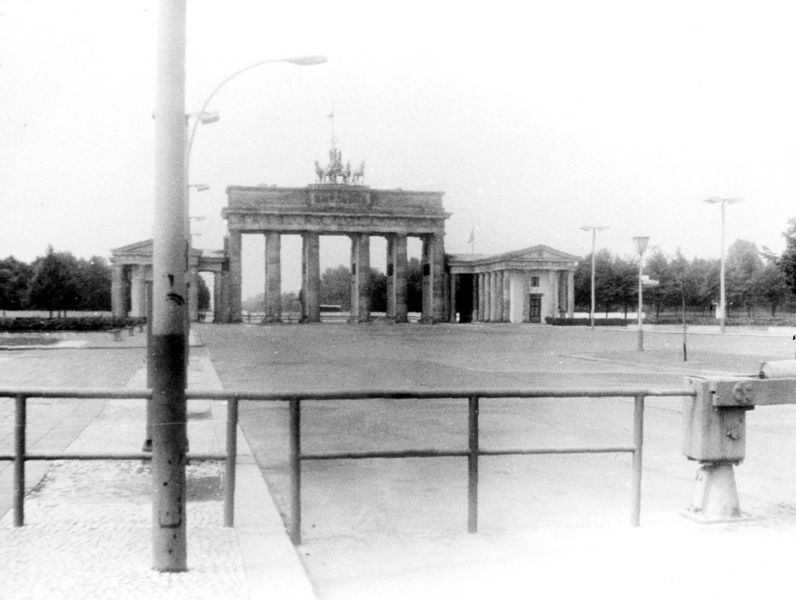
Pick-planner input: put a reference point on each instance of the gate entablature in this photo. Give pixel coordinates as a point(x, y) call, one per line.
point(334, 209)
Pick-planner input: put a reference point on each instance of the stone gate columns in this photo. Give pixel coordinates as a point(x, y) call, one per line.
point(311, 278)
point(396, 278)
point(399, 278)
point(118, 296)
point(360, 278)
point(433, 265)
point(235, 276)
point(138, 292)
point(273, 277)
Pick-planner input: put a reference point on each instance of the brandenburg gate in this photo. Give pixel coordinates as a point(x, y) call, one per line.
point(334, 207)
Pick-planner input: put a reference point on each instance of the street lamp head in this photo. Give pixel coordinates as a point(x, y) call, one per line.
point(641, 243)
point(209, 117)
point(306, 61)
point(717, 200)
point(594, 227)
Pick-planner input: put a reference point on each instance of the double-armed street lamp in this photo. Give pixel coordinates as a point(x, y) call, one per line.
point(722, 292)
point(594, 229)
point(641, 246)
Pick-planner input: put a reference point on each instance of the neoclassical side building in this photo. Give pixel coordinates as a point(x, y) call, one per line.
point(131, 267)
point(523, 286)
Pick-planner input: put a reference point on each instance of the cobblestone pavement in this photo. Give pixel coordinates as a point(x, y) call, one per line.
point(88, 524)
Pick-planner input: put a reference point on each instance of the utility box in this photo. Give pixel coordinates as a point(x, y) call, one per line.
point(711, 433)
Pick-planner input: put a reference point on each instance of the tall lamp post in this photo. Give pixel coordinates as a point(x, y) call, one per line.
point(722, 292)
point(594, 229)
point(641, 246)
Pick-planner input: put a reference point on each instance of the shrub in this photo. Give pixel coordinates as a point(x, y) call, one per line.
point(600, 322)
point(69, 323)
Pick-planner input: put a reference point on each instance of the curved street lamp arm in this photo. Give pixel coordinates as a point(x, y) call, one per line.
point(301, 60)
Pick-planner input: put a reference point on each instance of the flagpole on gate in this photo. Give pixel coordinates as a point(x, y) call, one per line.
point(472, 240)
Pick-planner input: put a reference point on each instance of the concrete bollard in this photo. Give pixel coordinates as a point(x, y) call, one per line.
point(117, 335)
point(716, 437)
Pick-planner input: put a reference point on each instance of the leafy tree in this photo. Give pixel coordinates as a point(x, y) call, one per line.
point(787, 262)
point(55, 284)
point(378, 291)
point(14, 278)
point(94, 284)
point(771, 287)
point(336, 287)
point(414, 286)
point(659, 268)
point(741, 269)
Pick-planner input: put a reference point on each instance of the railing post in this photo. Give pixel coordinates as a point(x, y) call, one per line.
point(19, 461)
point(230, 462)
point(472, 466)
point(295, 471)
point(638, 443)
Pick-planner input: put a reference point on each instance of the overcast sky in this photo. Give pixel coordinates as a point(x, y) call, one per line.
point(533, 118)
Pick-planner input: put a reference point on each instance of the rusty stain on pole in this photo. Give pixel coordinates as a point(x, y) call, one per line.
point(168, 404)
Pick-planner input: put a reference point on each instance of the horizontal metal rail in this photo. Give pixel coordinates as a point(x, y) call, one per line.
point(21, 456)
point(473, 451)
point(294, 399)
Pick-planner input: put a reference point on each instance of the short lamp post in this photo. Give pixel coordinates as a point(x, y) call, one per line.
point(641, 246)
point(594, 229)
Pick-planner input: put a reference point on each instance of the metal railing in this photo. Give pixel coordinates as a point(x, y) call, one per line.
point(472, 451)
point(21, 455)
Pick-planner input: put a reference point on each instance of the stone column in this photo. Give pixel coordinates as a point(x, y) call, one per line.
point(235, 276)
point(273, 277)
point(571, 294)
point(506, 317)
point(474, 301)
point(526, 297)
point(453, 281)
point(554, 294)
point(311, 281)
point(360, 278)
point(437, 261)
point(118, 299)
point(400, 282)
point(481, 297)
point(217, 314)
point(487, 297)
point(427, 310)
point(138, 292)
point(493, 296)
point(193, 294)
point(390, 266)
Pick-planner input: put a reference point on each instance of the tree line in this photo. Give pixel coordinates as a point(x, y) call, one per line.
point(56, 282)
point(753, 278)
